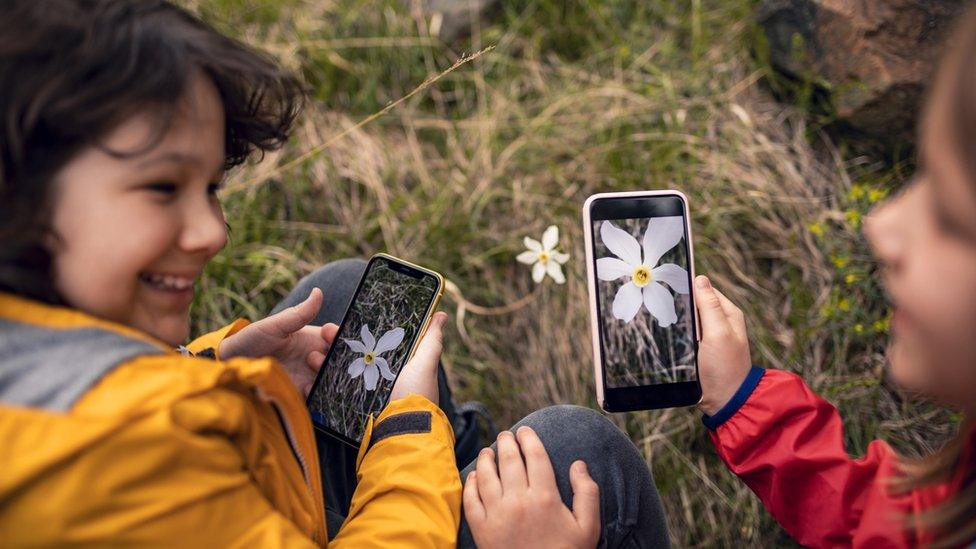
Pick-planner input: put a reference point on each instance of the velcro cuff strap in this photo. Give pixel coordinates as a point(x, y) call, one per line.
point(207, 353)
point(401, 424)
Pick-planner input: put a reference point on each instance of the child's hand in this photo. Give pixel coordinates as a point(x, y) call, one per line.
point(419, 374)
point(723, 354)
point(517, 504)
point(287, 337)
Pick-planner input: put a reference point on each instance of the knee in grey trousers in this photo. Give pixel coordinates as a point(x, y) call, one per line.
point(630, 509)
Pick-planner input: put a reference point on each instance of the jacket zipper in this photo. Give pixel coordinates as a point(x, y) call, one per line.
point(293, 444)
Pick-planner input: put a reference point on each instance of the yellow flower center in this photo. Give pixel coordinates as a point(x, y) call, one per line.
point(641, 276)
point(369, 358)
point(543, 257)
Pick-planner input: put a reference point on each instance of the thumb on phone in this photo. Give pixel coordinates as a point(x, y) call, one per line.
point(419, 375)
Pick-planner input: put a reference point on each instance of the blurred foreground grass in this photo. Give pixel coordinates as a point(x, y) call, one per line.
point(577, 97)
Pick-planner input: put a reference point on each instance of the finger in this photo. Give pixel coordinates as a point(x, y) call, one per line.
point(737, 320)
point(511, 468)
point(297, 317)
point(714, 323)
point(329, 333)
point(489, 486)
point(474, 509)
point(586, 499)
point(538, 467)
point(429, 350)
point(315, 360)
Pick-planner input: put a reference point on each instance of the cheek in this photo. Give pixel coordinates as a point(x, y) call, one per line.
point(934, 351)
point(100, 256)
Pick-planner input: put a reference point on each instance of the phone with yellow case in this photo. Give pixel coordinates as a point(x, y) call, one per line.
point(386, 319)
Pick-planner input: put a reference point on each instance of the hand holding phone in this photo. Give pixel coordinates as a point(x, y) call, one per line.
point(419, 375)
point(723, 354)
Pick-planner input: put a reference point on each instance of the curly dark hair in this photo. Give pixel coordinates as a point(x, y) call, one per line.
point(73, 70)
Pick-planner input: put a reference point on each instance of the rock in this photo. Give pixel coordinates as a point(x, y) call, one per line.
point(451, 19)
point(874, 57)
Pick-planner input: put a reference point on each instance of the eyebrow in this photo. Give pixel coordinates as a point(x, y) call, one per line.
point(174, 157)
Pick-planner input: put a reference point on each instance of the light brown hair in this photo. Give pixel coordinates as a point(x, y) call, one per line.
point(953, 521)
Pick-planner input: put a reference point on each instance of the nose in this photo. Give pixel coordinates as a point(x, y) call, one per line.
point(884, 228)
point(204, 229)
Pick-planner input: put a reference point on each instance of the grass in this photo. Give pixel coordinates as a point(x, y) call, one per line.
point(576, 97)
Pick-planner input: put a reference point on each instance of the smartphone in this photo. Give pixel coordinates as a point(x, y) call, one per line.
point(640, 267)
point(385, 321)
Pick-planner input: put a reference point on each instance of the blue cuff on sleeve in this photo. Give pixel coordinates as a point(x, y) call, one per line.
point(737, 400)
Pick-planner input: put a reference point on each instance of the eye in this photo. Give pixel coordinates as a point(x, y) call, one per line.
point(162, 187)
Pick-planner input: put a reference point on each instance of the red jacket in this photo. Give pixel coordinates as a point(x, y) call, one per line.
point(787, 444)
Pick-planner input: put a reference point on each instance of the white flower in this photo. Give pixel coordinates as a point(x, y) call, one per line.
point(371, 365)
point(543, 257)
point(662, 234)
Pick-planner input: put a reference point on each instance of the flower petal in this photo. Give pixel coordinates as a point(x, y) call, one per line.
point(528, 257)
point(659, 302)
point(370, 376)
point(673, 275)
point(621, 243)
point(389, 341)
point(368, 340)
point(538, 272)
point(560, 257)
point(627, 302)
point(356, 367)
point(356, 346)
point(611, 268)
point(550, 238)
point(384, 367)
point(532, 244)
point(661, 235)
point(556, 272)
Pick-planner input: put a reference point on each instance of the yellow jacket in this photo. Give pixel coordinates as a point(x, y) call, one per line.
point(108, 436)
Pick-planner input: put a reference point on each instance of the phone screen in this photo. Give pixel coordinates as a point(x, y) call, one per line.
point(374, 342)
point(646, 315)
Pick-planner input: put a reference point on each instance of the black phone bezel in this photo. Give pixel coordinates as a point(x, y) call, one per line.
point(394, 265)
point(644, 397)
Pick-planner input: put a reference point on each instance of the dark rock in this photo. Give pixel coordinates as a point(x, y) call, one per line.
point(455, 17)
point(874, 57)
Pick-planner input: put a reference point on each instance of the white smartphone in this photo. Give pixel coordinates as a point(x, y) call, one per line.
point(640, 267)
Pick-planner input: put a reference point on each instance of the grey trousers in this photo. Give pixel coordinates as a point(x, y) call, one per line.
point(630, 508)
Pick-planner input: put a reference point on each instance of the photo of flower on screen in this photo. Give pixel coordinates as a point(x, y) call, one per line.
point(644, 301)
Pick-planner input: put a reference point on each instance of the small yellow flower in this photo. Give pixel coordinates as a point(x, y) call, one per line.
point(816, 229)
point(877, 195)
point(859, 328)
point(882, 325)
point(851, 278)
point(856, 192)
point(844, 304)
point(840, 261)
point(853, 217)
point(826, 311)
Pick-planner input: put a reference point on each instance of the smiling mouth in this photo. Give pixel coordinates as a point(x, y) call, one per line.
point(166, 282)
